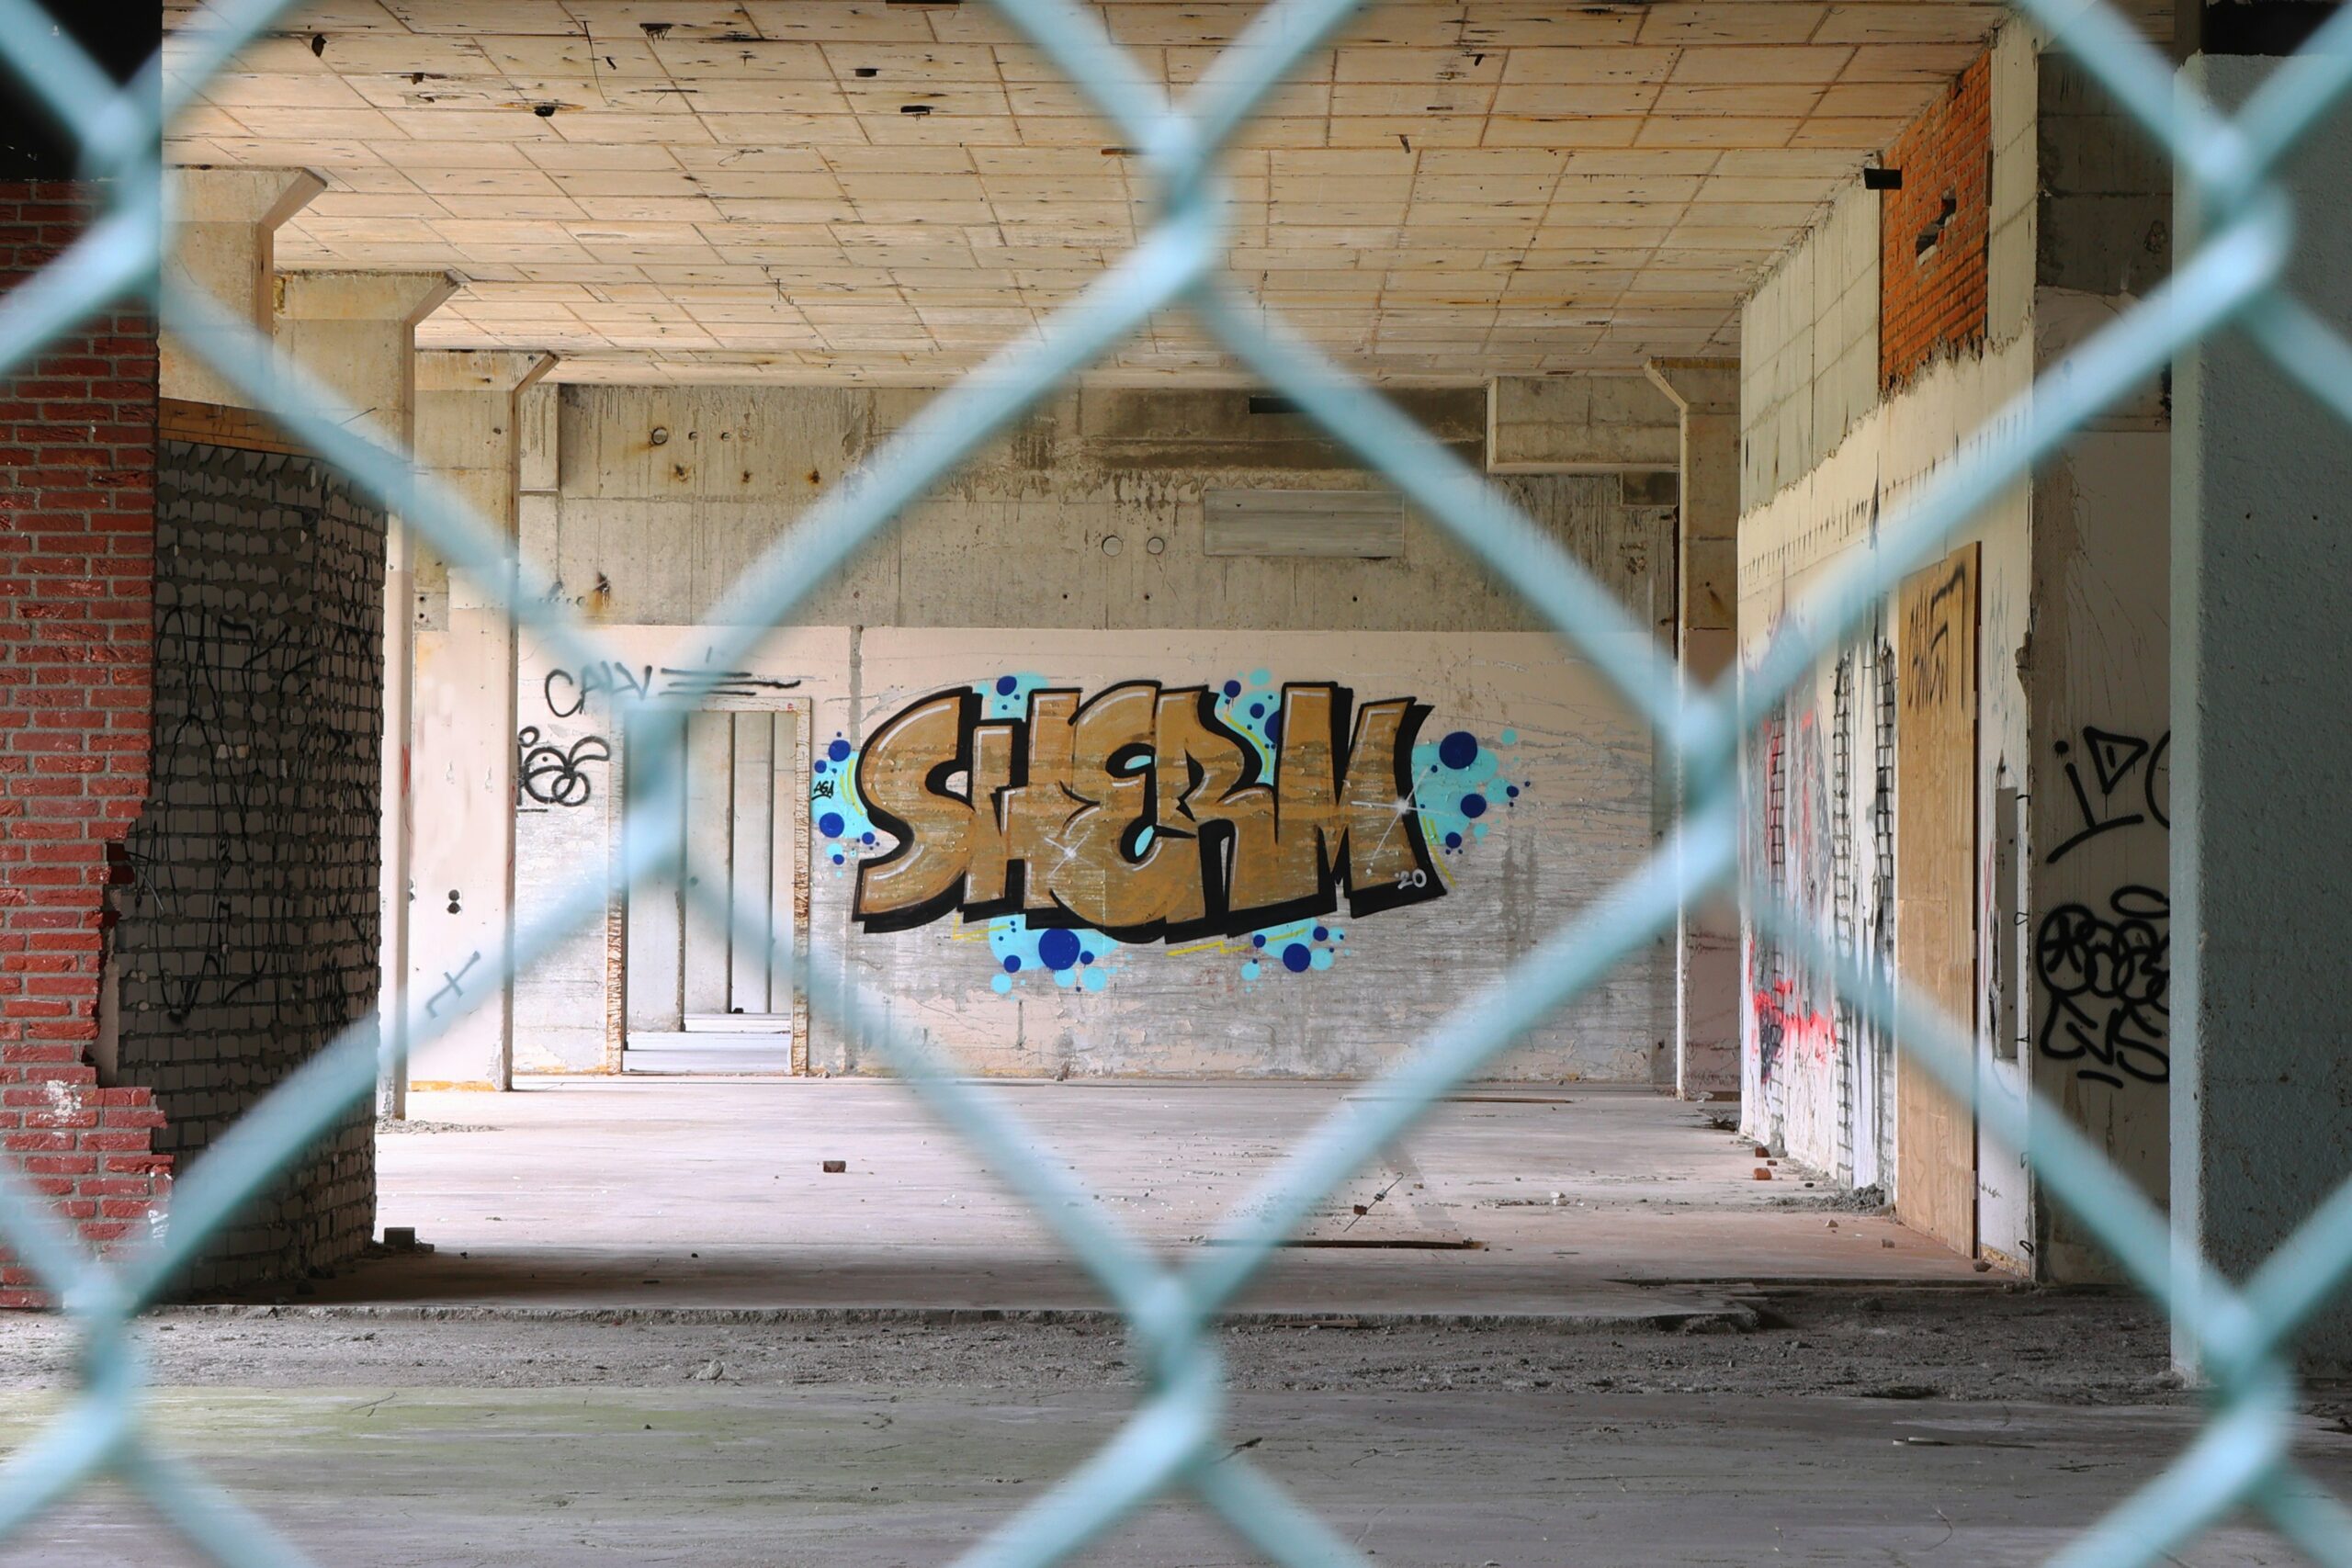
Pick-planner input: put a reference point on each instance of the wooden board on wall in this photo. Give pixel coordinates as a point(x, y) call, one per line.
point(212, 424)
point(1935, 884)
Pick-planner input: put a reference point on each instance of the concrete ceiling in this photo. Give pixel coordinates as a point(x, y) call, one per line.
point(866, 190)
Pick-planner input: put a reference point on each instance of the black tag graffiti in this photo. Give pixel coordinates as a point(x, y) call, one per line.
point(2107, 976)
point(552, 775)
point(2128, 775)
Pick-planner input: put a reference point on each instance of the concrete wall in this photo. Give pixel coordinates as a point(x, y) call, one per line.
point(76, 575)
point(2096, 1003)
point(1070, 556)
point(246, 929)
point(1814, 1079)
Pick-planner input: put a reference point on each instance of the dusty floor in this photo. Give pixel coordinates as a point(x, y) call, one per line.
point(1899, 1426)
point(657, 1333)
point(652, 1192)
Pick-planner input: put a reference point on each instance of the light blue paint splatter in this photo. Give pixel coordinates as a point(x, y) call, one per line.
point(844, 833)
point(1023, 953)
point(1459, 782)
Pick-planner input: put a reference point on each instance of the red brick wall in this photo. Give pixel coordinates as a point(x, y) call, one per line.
point(77, 483)
point(1932, 300)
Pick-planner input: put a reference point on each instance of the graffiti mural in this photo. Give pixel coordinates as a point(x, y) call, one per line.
point(1232, 819)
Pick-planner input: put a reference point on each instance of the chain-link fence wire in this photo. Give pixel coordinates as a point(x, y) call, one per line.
point(2241, 1333)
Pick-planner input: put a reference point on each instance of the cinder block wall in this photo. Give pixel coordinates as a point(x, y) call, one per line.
point(248, 933)
point(77, 470)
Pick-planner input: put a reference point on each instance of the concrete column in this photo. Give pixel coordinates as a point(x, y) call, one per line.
point(462, 778)
point(356, 332)
point(2261, 855)
point(223, 238)
point(1706, 934)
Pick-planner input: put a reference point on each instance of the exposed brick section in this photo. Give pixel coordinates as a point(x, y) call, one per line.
point(77, 478)
point(247, 940)
point(1933, 231)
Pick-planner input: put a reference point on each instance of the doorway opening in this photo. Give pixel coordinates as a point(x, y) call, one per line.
point(698, 996)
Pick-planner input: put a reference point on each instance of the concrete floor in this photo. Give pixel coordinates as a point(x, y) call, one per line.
point(686, 1193)
point(888, 1477)
point(1636, 1374)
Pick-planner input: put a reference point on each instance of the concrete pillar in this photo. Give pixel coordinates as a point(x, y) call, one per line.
point(462, 777)
point(223, 237)
point(1706, 934)
point(2261, 855)
point(356, 332)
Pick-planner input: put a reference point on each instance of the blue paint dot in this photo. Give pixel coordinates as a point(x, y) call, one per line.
point(1513, 791)
point(1094, 979)
point(1322, 934)
point(831, 824)
point(821, 764)
point(1274, 730)
point(1257, 710)
point(1458, 749)
point(1013, 964)
point(1322, 958)
point(1297, 958)
point(866, 839)
point(838, 750)
point(1001, 984)
point(1474, 806)
point(837, 857)
point(1507, 737)
point(1233, 688)
point(1006, 685)
point(1058, 950)
point(1259, 677)
point(1086, 958)
point(1249, 971)
point(1257, 942)
point(1454, 840)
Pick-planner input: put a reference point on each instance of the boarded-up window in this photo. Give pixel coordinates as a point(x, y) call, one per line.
point(1363, 525)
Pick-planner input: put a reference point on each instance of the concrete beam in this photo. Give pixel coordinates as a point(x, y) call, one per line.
point(469, 435)
point(356, 331)
point(224, 223)
point(1578, 424)
point(1705, 394)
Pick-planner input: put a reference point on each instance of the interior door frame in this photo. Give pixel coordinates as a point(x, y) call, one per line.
point(617, 907)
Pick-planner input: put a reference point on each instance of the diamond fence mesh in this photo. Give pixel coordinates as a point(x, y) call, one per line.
point(1171, 1443)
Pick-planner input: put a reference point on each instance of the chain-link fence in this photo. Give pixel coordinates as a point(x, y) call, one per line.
point(1172, 1441)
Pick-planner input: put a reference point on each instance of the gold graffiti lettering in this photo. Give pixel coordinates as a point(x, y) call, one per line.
point(1142, 813)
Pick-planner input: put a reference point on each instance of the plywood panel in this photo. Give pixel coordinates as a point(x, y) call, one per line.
point(750, 821)
point(1934, 883)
